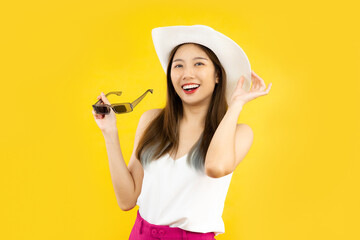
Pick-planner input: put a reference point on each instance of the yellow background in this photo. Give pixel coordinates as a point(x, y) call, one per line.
point(300, 179)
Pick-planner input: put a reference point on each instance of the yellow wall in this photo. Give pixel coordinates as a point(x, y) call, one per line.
point(300, 179)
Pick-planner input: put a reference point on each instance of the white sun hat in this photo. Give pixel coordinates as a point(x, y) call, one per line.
point(229, 53)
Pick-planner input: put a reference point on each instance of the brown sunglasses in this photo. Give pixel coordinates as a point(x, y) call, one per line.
point(101, 108)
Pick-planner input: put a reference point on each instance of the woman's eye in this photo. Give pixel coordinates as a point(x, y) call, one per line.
point(181, 65)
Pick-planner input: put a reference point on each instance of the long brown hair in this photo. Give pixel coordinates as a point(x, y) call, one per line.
point(162, 134)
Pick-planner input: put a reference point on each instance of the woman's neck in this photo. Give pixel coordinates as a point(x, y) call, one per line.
point(194, 116)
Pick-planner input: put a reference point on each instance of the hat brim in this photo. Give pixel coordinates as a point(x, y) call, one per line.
point(230, 54)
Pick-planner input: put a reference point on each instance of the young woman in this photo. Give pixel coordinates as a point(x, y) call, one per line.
point(184, 154)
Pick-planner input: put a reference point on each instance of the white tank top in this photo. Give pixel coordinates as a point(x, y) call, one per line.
point(176, 195)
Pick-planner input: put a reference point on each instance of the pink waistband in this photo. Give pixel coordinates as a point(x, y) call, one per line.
point(165, 231)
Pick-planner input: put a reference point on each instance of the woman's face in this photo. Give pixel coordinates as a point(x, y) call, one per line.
point(192, 65)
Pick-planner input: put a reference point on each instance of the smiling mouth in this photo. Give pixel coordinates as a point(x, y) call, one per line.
point(191, 90)
point(190, 86)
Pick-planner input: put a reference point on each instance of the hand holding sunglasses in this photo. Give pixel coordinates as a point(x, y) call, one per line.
point(101, 108)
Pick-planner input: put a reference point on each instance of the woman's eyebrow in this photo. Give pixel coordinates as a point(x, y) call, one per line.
point(193, 59)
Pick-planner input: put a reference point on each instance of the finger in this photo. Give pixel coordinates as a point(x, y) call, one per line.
point(256, 83)
point(261, 83)
point(101, 101)
point(258, 86)
point(98, 116)
point(94, 113)
point(269, 87)
point(240, 82)
point(266, 91)
point(104, 98)
point(262, 87)
point(253, 82)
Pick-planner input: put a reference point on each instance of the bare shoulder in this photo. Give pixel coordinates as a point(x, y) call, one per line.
point(151, 113)
point(147, 117)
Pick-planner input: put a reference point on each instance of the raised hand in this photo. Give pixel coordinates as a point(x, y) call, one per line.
point(258, 88)
point(107, 122)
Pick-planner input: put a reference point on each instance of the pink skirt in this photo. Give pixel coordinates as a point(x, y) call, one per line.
point(143, 230)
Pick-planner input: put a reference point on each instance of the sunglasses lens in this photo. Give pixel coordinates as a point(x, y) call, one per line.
point(121, 108)
point(101, 109)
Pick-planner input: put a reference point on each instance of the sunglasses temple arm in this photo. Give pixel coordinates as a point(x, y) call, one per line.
point(134, 103)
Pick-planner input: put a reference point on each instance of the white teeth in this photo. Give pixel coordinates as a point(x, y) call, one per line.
point(190, 86)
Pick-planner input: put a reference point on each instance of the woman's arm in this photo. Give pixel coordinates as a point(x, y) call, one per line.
point(221, 155)
point(121, 178)
point(231, 142)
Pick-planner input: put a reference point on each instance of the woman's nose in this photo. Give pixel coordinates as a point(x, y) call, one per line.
point(188, 72)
